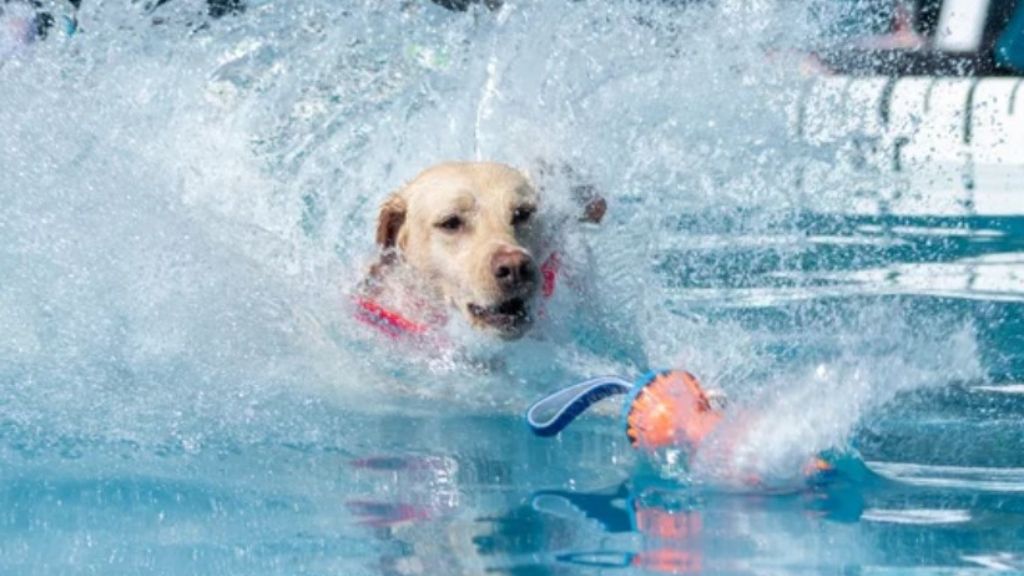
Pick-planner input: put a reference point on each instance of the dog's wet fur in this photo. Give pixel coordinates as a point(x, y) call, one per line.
point(469, 232)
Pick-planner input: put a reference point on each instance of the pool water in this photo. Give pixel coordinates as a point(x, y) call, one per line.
point(186, 206)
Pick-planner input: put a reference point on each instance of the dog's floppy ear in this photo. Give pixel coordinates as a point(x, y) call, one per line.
point(390, 220)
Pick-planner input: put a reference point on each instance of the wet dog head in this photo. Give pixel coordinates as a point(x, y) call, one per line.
point(469, 231)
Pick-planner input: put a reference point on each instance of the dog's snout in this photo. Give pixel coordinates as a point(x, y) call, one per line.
point(512, 268)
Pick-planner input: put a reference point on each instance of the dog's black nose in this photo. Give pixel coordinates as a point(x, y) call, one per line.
point(512, 268)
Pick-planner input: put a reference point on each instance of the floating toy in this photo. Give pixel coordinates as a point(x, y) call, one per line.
point(664, 410)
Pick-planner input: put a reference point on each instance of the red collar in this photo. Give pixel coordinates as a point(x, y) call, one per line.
point(549, 273)
point(392, 324)
point(395, 325)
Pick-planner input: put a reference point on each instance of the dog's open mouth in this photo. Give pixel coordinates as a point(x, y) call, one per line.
point(510, 317)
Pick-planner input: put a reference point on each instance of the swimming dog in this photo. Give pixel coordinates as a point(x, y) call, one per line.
point(468, 237)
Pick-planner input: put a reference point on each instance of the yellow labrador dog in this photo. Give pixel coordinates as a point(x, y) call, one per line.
point(463, 236)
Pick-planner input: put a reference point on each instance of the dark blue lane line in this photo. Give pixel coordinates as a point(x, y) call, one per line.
point(885, 101)
point(801, 108)
point(1013, 95)
point(969, 111)
point(928, 95)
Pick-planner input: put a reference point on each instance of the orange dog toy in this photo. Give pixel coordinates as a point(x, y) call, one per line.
point(669, 409)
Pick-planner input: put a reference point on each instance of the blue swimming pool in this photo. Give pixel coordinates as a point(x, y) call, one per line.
point(186, 205)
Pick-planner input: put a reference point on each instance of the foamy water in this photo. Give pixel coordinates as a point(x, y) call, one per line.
point(186, 209)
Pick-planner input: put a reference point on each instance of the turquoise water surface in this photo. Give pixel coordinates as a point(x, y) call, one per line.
point(186, 207)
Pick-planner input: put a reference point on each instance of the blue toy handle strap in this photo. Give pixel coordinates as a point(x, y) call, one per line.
point(549, 415)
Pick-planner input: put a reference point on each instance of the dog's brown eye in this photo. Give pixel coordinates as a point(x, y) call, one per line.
point(450, 224)
point(522, 215)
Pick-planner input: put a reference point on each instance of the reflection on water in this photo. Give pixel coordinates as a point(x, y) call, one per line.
point(183, 210)
point(444, 495)
point(646, 524)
